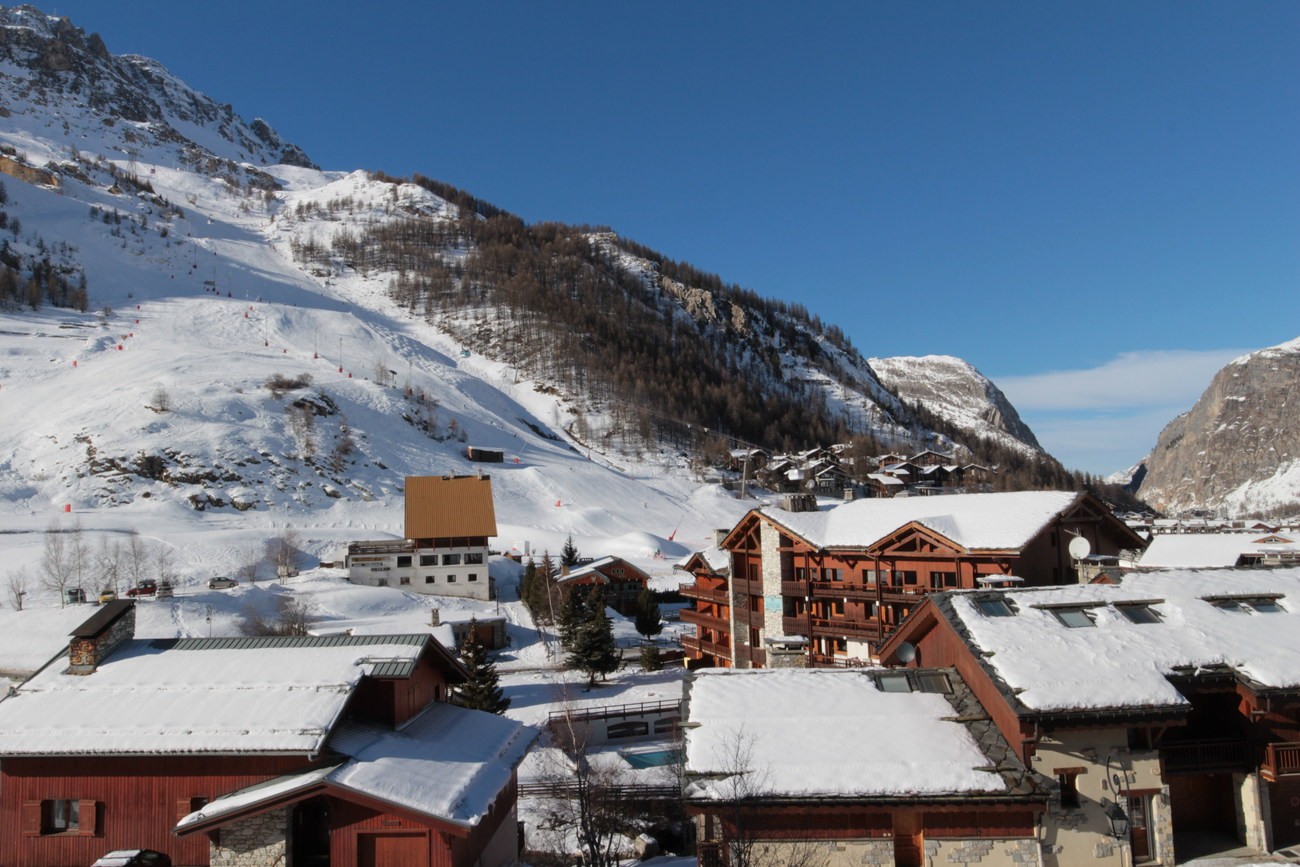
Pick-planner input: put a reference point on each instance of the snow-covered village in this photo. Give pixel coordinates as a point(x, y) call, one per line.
point(349, 519)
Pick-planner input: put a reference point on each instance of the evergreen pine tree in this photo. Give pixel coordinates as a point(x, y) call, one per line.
point(593, 651)
point(573, 615)
point(528, 586)
point(569, 553)
point(545, 592)
point(482, 691)
point(648, 620)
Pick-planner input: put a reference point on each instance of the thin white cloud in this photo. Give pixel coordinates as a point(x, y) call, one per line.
point(1133, 380)
point(1102, 443)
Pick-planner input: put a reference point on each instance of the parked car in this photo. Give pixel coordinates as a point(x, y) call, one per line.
point(146, 587)
point(74, 595)
point(108, 594)
point(133, 858)
point(221, 583)
point(165, 589)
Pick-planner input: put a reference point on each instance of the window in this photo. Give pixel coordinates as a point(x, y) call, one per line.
point(404, 562)
point(61, 817)
point(405, 579)
point(382, 582)
point(473, 576)
point(1068, 780)
point(1074, 618)
point(667, 725)
point(943, 580)
point(451, 559)
point(1265, 606)
point(474, 559)
point(451, 579)
point(994, 608)
point(831, 575)
point(800, 573)
point(428, 579)
point(1138, 613)
point(628, 729)
point(933, 681)
point(894, 683)
point(868, 576)
point(428, 559)
point(908, 578)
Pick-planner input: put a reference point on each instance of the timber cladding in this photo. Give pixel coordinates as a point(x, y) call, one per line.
point(442, 507)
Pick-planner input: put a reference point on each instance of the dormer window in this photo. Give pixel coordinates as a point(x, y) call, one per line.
point(1247, 604)
point(1075, 618)
point(1265, 606)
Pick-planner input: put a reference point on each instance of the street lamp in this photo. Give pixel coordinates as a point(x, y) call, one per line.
point(1118, 820)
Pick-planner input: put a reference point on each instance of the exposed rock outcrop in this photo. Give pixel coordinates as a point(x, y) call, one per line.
point(1238, 449)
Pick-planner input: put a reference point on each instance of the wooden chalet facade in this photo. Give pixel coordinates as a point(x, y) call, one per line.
point(832, 790)
point(827, 587)
point(623, 581)
point(268, 751)
point(710, 646)
point(1170, 700)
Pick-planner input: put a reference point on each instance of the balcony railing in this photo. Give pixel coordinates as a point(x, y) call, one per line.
point(868, 629)
point(744, 585)
point(709, 621)
point(907, 592)
point(1203, 757)
point(842, 590)
point(795, 625)
point(820, 661)
point(691, 591)
point(794, 588)
point(704, 647)
point(1281, 760)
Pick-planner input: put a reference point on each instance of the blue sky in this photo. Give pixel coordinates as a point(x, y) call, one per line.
point(1096, 204)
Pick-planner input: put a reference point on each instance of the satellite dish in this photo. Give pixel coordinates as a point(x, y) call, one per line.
point(906, 652)
point(1079, 548)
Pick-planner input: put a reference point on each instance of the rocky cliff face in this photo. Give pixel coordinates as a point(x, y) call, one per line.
point(957, 392)
point(1238, 449)
point(55, 73)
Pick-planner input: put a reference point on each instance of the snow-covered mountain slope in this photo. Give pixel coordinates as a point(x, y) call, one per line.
point(960, 394)
point(1238, 450)
point(208, 249)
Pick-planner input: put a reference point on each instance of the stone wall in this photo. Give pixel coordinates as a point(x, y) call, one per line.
point(987, 852)
point(259, 841)
point(85, 654)
point(771, 548)
point(1251, 795)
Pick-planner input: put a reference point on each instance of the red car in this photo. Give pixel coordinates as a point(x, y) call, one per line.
point(147, 587)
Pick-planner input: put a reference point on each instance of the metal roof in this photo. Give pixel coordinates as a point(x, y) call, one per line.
point(449, 506)
point(276, 641)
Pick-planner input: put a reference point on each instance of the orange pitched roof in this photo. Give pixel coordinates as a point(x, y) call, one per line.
point(443, 506)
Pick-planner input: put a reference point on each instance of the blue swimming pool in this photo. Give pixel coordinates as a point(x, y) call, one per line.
point(650, 758)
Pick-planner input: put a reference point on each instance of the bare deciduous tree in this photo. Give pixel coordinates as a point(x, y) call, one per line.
point(251, 561)
point(292, 617)
point(16, 588)
point(136, 559)
point(56, 564)
point(284, 551)
point(108, 559)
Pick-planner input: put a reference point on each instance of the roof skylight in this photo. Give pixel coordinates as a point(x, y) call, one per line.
point(994, 608)
point(1138, 613)
point(1074, 617)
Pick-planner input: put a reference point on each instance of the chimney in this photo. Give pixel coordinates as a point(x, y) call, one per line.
point(718, 536)
point(99, 636)
point(435, 617)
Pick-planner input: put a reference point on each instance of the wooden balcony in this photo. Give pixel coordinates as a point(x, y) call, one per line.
point(702, 647)
point(820, 661)
point(708, 621)
point(911, 593)
point(1204, 757)
point(794, 588)
point(868, 630)
point(1281, 760)
point(842, 590)
point(744, 585)
point(691, 591)
point(796, 625)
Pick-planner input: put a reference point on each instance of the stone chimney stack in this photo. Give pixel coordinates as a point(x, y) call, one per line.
point(435, 617)
point(718, 536)
point(95, 639)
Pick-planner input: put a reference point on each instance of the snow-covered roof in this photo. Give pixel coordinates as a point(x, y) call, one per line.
point(593, 568)
point(825, 732)
point(885, 480)
point(448, 762)
point(1119, 664)
point(198, 696)
point(974, 521)
point(1211, 550)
